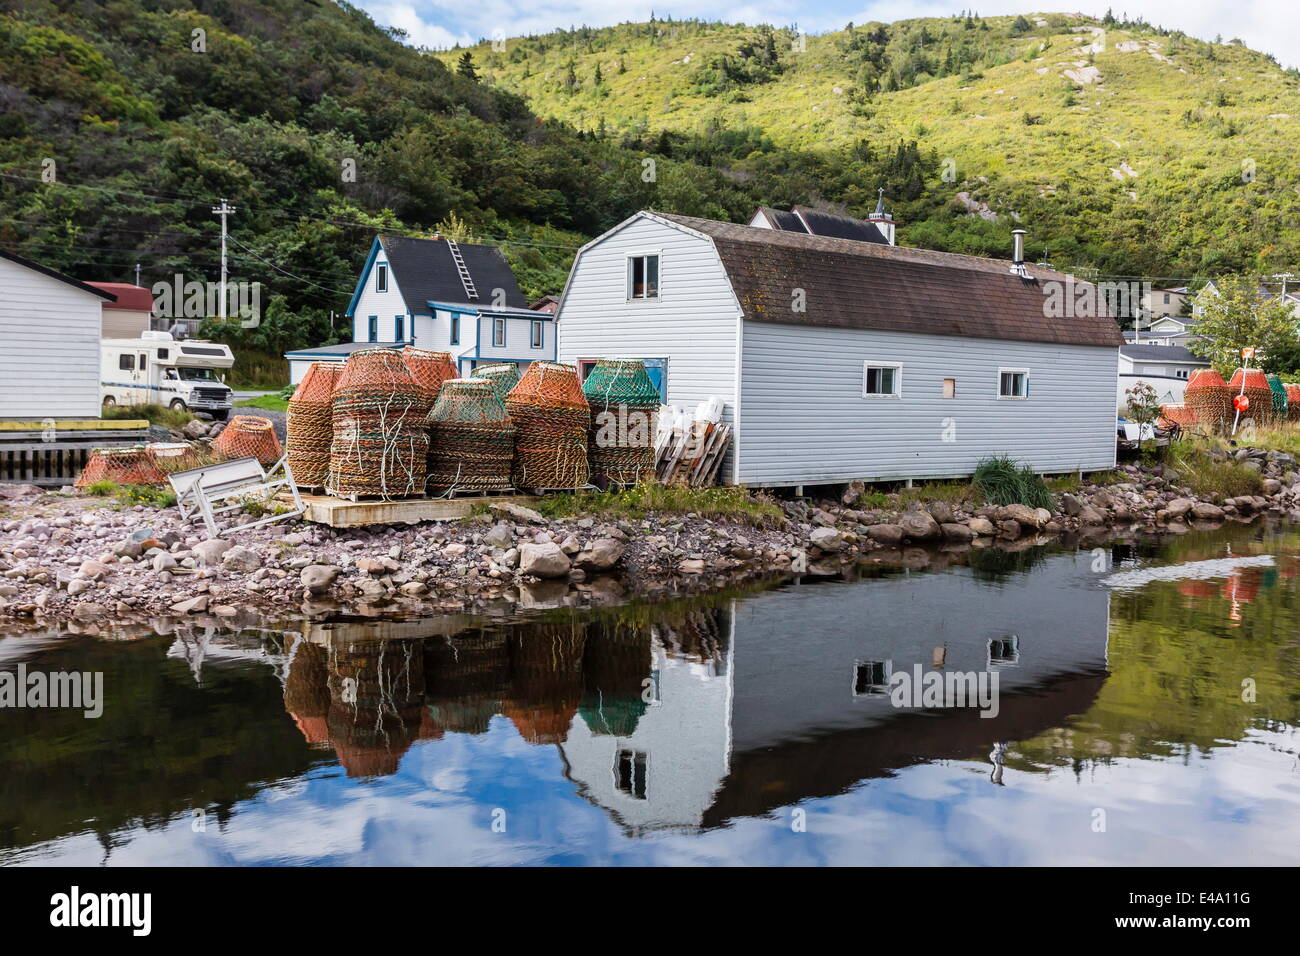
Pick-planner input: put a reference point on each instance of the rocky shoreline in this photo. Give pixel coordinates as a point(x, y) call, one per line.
point(66, 557)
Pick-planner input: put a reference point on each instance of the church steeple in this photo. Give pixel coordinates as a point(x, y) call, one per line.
point(881, 217)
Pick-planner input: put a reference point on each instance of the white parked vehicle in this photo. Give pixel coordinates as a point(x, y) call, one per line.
point(156, 369)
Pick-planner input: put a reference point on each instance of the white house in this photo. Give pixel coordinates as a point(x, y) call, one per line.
point(439, 294)
point(49, 342)
point(1165, 368)
point(840, 359)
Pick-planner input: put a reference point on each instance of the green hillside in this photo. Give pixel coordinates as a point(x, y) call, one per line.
point(1121, 147)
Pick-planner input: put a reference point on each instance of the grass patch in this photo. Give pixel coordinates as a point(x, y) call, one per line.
point(154, 414)
point(653, 497)
point(949, 491)
point(1208, 476)
point(128, 496)
point(1004, 481)
point(271, 403)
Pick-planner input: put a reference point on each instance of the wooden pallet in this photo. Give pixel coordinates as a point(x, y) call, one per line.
point(693, 457)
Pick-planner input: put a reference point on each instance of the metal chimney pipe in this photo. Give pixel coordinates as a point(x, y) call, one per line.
point(1018, 235)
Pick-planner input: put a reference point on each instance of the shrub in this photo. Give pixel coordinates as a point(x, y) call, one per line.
point(1004, 481)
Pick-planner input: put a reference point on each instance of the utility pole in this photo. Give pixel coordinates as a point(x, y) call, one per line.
point(223, 211)
point(1284, 276)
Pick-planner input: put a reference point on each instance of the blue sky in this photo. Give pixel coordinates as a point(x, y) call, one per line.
point(1268, 25)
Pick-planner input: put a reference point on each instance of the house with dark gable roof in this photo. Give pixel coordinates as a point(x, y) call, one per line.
point(839, 359)
point(458, 297)
point(877, 228)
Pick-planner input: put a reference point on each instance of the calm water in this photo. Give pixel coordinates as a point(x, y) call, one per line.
point(747, 728)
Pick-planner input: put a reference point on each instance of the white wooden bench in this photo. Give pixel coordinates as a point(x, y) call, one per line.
point(203, 493)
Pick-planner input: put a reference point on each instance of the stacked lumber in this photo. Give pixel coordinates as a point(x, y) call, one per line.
point(692, 455)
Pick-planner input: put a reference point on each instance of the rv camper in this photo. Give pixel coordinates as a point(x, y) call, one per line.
point(157, 369)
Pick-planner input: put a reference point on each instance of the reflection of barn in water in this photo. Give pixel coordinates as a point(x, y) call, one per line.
point(794, 707)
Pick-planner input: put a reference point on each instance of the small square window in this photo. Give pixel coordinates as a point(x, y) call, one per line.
point(1004, 651)
point(381, 278)
point(871, 678)
point(949, 388)
point(1013, 383)
point(539, 335)
point(643, 277)
point(881, 381)
point(126, 363)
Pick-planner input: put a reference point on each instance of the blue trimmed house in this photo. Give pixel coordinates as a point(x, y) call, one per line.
point(457, 297)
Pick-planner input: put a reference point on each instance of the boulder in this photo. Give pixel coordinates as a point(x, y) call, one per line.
point(194, 605)
point(195, 429)
point(1021, 514)
point(543, 560)
point(919, 526)
point(940, 511)
point(500, 535)
point(691, 566)
point(602, 555)
point(1091, 516)
point(94, 570)
point(242, 559)
point(1206, 511)
point(885, 533)
point(1071, 505)
point(318, 578)
point(827, 539)
point(518, 512)
point(956, 532)
point(212, 550)
point(981, 526)
point(853, 492)
point(1178, 507)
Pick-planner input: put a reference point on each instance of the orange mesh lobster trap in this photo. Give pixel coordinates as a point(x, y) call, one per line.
point(624, 418)
point(128, 465)
point(471, 438)
point(380, 440)
point(171, 457)
point(1258, 394)
point(1293, 402)
point(551, 418)
point(429, 369)
point(249, 436)
point(1209, 398)
point(1181, 415)
point(311, 424)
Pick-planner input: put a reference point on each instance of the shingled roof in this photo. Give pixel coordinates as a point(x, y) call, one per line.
point(426, 272)
point(863, 285)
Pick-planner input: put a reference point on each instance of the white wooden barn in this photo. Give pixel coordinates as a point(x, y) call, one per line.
point(49, 342)
point(439, 294)
point(840, 359)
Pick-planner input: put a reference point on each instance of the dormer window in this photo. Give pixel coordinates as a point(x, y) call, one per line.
point(381, 277)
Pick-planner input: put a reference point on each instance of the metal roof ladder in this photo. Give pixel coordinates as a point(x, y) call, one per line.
point(465, 278)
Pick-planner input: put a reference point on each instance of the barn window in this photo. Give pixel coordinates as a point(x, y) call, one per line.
point(498, 332)
point(643, 277)
point(871, 678)
point(949, 388)
point(539, 335)
point(399, 328)
point(1004, 651)
point(882, 380)
point(126, 363)
point(1013, 383)
point(629, 773)
point(374, 328)
point(455, 328)
point(381, 278)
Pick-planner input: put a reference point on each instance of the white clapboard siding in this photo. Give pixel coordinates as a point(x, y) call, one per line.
point(518, 345)
point(124, 323)
point(49, 346)
point(385, 306)
point(693, 324)
point(805, 421)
